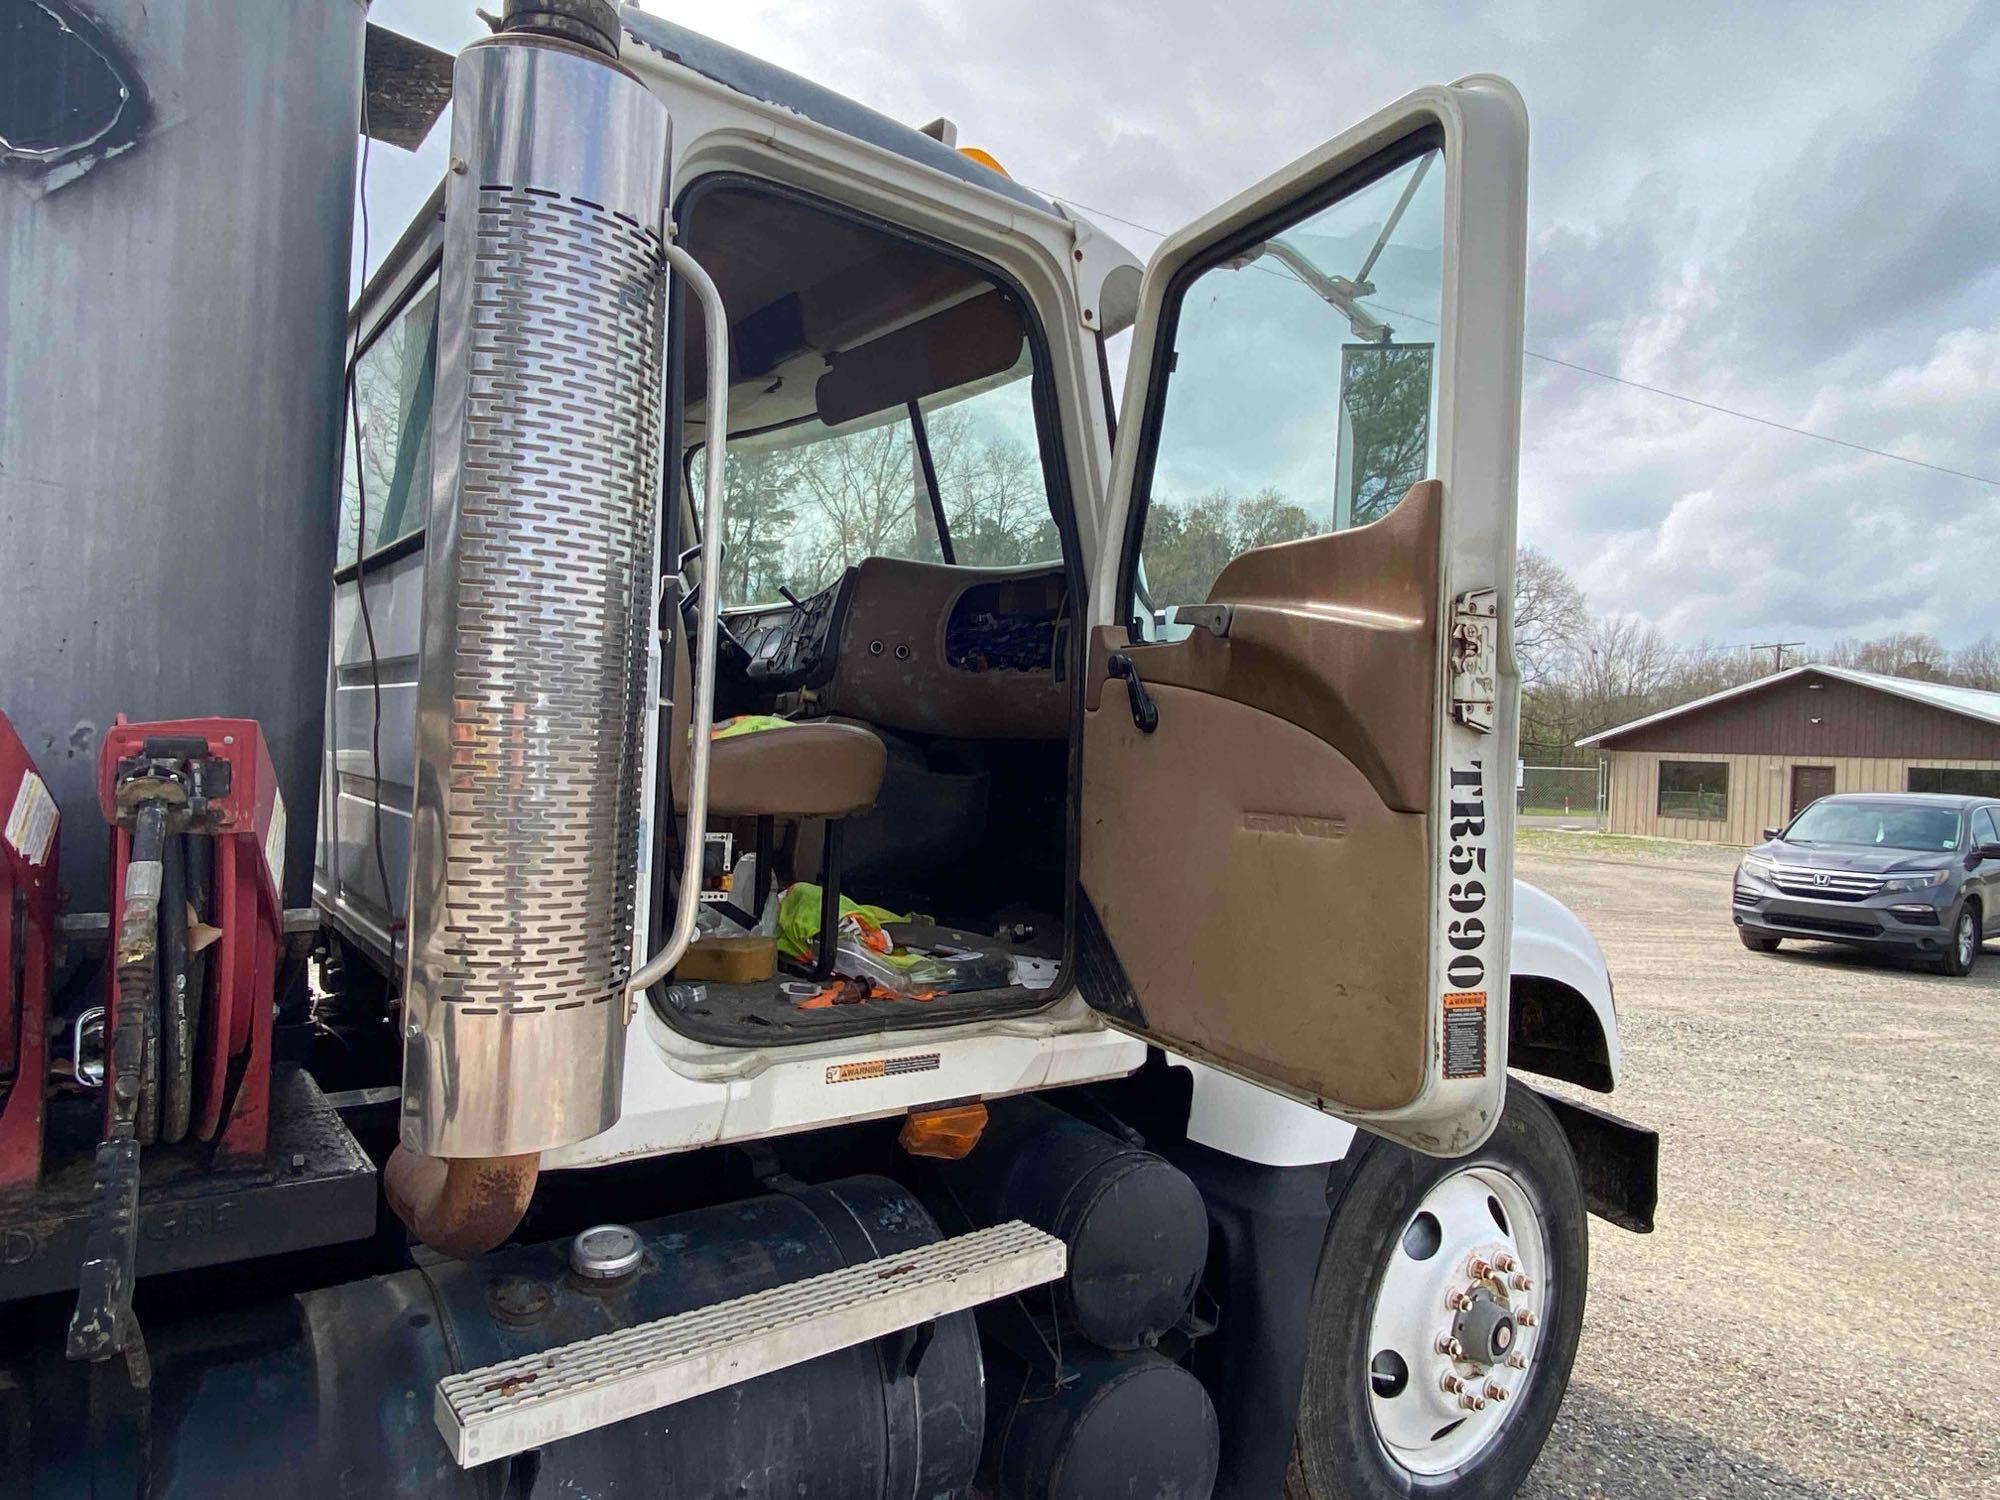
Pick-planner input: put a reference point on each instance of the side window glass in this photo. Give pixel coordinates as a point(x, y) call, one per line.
point(1301, 387)
point(1984, 828)
point(394, 381)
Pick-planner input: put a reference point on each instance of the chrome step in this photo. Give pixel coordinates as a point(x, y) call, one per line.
point(519, 1404)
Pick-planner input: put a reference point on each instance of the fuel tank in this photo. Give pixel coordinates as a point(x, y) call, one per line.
point(330, 1393)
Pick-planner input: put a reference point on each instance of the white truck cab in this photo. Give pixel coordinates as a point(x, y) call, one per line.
point(1161, 739)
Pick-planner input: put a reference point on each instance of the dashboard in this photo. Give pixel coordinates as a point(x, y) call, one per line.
point(971, 653)
point(789, 645)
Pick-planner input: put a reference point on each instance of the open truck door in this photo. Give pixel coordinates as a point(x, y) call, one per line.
point(1301, 705)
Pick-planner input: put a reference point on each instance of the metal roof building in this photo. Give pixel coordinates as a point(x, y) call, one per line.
point(1722, 768)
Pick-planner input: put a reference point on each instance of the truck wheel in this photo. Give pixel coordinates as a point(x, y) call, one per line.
point(1963, 951)
point(1757, 944)
point(1444, 1319)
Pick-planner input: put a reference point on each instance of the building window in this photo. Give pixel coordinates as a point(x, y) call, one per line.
point(1694, 789)
point(1950, 779)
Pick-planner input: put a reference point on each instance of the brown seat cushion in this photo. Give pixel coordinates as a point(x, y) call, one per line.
point(814, 769)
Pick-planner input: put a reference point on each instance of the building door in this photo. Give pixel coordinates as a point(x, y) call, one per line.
point(1809, 784)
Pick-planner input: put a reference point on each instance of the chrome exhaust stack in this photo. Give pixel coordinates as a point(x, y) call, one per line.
point(541, 561)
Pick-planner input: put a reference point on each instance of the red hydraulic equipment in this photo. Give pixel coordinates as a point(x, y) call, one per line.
point(27, 938)
point(206, 1059)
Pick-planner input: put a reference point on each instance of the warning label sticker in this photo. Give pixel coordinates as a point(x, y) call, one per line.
point(274, 844)
point(1465, 1034)
point(31, 826)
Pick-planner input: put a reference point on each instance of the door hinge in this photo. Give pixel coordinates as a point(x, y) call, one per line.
point(1475, 625)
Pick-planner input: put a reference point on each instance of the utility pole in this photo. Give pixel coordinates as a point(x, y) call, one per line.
point(1777, 650)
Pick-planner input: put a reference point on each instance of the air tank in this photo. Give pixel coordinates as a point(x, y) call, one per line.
point(1133, 1223)
point(175, 222)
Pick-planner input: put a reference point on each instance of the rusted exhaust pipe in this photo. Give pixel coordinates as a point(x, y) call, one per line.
point(461, 1206)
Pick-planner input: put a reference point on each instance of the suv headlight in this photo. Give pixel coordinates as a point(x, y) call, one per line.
point(1921, 882)
point(1757, 864)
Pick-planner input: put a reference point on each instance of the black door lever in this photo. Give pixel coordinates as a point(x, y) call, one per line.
point(1145, 712)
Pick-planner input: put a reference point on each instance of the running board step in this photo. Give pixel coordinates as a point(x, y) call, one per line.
point(519, 1404)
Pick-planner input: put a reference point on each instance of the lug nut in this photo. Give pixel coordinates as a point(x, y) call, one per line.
point(1525, 1317)
point(1495, 1391)
point(1480, 1269)
point(1504, 1262)
point(1471, 1402)
point(1521, 1282)
point(1450, 1384)
point(1516, 1362)
point(1458, 1301)
point(1450, 1347)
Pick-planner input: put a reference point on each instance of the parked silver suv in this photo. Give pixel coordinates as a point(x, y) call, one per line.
point(1912, 871)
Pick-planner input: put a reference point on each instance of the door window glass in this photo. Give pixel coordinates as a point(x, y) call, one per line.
point(393, 385)
point(1301, 387)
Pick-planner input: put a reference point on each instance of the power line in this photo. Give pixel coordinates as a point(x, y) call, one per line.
point(1637, 385)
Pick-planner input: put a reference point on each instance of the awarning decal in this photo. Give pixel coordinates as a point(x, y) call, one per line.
point(1465, 933)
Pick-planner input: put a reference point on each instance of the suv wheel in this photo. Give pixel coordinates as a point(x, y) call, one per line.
point(1757, 944)
point(1444, 1318)
point(1963, 952)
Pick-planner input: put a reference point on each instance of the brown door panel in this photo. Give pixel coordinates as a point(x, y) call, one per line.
point(1336, 634)
point(1257, 891)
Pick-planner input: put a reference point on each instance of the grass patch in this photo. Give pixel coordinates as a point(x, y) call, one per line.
point(1565, 841)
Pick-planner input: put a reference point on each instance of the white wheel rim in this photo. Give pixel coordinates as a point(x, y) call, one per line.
point(1436, 1404)
point(1967, 944)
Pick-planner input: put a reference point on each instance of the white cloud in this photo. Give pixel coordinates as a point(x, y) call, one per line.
point(1779, 208)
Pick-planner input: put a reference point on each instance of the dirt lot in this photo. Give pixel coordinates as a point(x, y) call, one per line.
point(1816, 1314)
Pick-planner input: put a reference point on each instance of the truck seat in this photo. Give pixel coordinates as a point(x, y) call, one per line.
point(815, 769)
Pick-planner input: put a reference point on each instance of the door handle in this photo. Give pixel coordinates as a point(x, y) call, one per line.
point(1145, 712)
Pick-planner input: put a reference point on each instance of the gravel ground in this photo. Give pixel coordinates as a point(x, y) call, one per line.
point(1815, 1315)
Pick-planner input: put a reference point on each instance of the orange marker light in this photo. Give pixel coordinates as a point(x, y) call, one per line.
point(985, 160)
point(946, 1134)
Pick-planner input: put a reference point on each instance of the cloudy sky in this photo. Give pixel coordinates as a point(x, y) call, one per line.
point(1788, 209)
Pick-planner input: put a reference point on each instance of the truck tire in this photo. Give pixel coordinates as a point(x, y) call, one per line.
point(1757, 944)
point(1962, 952)
point(1375, 1419)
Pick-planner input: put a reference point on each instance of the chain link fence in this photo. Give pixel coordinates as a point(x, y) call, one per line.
point(1574, 792)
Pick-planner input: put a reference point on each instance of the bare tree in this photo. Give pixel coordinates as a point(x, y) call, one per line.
point(1551, 615)
point(1977, 665)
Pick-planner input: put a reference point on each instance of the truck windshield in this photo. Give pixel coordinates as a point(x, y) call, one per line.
point(807, 501)
point(1881, 825)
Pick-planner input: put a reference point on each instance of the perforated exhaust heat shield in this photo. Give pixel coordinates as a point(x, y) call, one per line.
point(539, 561)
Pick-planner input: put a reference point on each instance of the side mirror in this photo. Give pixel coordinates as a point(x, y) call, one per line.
point(1988, 851)
point(1774, 833)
